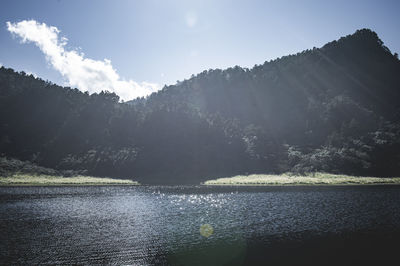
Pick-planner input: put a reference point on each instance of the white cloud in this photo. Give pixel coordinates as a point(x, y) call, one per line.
point(191, 19)
point(84, 73)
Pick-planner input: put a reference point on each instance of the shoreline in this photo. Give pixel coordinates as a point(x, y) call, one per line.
point(300, 185)
point(65, 185)
point(311, 179)
point(283, 180)
point(19, 180)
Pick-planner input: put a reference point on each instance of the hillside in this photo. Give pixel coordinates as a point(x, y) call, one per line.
point(334, 109)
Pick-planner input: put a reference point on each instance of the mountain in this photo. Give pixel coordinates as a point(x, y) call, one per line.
point(334, 108)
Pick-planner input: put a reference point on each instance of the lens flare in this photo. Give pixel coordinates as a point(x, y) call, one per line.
point(206, 230)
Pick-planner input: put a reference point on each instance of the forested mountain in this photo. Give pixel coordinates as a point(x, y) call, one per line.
point(334, 109)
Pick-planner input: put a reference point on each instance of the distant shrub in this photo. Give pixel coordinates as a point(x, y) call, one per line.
point(11, 166)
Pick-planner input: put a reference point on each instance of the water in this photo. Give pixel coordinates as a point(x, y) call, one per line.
point(124, 225)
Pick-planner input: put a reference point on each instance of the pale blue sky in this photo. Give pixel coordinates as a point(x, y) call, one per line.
point(165, 41)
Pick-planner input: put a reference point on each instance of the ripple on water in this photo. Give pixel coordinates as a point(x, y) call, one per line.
point(151, 225)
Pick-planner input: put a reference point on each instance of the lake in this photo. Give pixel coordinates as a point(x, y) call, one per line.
point(194, 225)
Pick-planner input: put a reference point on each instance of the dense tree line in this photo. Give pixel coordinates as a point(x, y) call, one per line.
point(334, 109)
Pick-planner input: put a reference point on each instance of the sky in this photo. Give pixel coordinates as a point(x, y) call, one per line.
point(136, 47)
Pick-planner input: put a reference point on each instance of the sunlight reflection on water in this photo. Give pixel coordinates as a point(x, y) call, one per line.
point(152, 225)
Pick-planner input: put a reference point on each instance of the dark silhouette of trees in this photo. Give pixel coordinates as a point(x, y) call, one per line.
point(335, 109)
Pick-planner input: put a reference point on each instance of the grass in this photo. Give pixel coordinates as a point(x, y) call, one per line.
point(49, 180)
point(308, 179)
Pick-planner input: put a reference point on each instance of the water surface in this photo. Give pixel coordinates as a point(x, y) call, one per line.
point(148, 225)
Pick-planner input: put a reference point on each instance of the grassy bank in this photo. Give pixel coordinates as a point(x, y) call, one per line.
point(49, 180)
point(308, 179)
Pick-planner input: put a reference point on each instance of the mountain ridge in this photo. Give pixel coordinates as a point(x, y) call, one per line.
point(334, 108)
point(359, 35)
